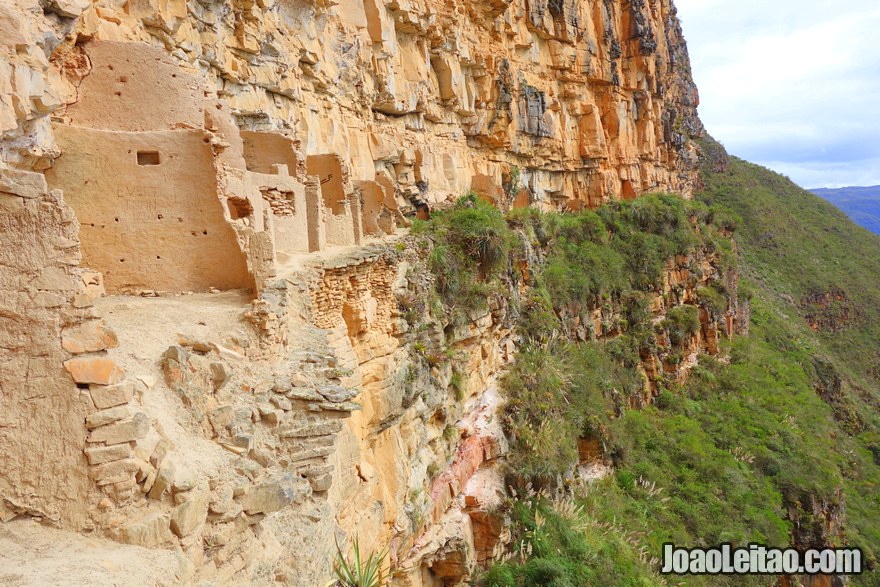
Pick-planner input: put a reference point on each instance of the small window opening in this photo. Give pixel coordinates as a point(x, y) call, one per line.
point(239, 208)
point(148, 157)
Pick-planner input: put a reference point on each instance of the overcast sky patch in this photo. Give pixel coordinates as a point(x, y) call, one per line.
point(791, 84)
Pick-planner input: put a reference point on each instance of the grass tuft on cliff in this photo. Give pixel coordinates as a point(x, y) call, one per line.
point(469, 249)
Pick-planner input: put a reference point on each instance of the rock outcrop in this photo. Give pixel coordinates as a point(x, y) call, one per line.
point(213, 335)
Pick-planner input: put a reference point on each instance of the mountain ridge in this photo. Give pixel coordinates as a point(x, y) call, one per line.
point(861, 203)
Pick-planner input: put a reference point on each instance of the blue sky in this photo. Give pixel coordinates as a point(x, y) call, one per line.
point(791, 84)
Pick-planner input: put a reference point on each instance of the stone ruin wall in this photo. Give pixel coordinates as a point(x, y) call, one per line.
point(179, 176)
point(415, 466)
point(160, 147)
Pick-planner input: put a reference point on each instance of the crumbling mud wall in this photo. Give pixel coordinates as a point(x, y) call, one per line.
point(44, 311)
point(172, 196)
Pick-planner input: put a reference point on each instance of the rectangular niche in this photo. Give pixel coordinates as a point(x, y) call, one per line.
point(148, 158)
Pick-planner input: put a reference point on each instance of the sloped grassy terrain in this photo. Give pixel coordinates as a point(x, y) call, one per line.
point(796, 249)
point(776, 443)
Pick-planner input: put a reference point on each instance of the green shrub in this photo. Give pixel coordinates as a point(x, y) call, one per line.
point(624, 350)
point(537, 322)
point(479, 230)
point(567, 549)
point(457, 384)
point(500, 575)
point(724, 218)
point(544, 441)
point(579, 228)
point(558, 394)
point(713, 300)
point(469, 248)
point(680, 323)
point(659, 213)
point(358, 571)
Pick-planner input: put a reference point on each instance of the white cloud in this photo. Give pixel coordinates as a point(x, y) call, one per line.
point(822, 174)
point(790, 84)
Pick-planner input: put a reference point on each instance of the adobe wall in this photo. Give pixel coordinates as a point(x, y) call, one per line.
point(342, 215)
point(372, 197)
point(276, 204)
point(136, 87)
point(264, 150)
point(329, 169)
point(149, 226)
point(42, 413)
point(240, 194)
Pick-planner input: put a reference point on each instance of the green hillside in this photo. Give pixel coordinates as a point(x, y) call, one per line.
point(776, 442)
point(811, 261)
point(816, 280)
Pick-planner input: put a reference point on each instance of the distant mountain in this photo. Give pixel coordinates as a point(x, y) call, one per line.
point(862, 204)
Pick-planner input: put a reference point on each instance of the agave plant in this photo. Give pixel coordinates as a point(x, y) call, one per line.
point(360, 572)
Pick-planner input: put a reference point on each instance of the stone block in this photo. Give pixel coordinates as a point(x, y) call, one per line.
point(112, 395)
point(275, 494)
point(270, 416)
point(193, 342)
point(343, 407)
point(150, 480)
point(221, 417)
point(280, 402)
point(281, 385)
point(299, 380)
point(304, 394)
point(97, 370)
point(98, 455)
point(25, 184)
point(189, 515)
point(304, 430)
point(108, 416)
point(152, 530)
point(123, 431)
point(145, 469)
point(321, 483)
point(184, 479)
point(220, 375)
point(114, 471)
point(158, 454)
point(90, 337)
point(164, 479)
point(68, 8)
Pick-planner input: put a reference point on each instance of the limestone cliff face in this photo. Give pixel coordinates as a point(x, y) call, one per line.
point(587, 100)
point(214, 335)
